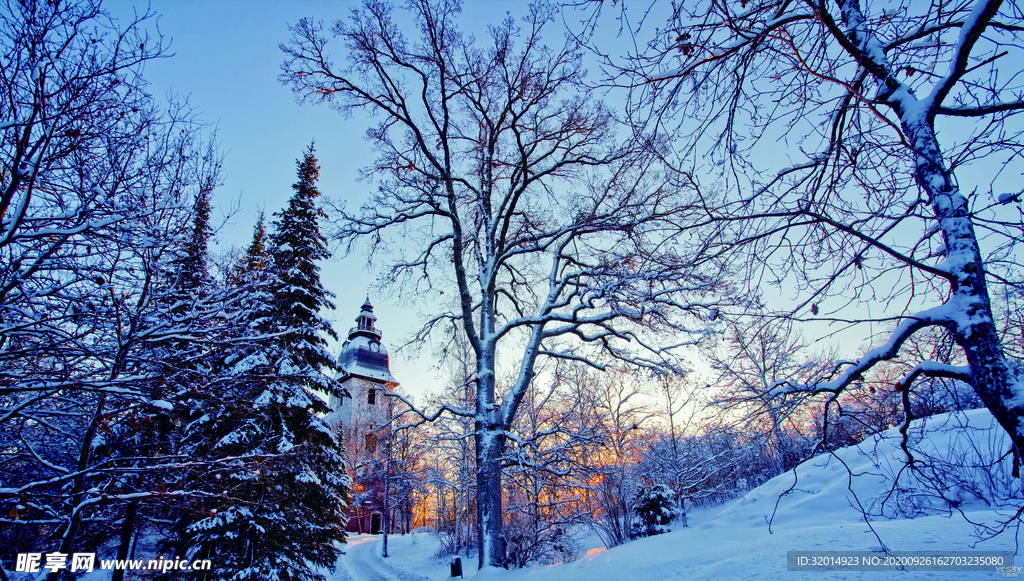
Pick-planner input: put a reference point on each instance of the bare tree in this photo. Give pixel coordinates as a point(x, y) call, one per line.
point(553, 456)
point(885, 114)
point(749, 360)
point(97, 183)
point(624, 411)
point(453, 452)
point(500, 179)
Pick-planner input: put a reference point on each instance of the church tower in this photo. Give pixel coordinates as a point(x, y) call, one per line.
point(361, 417)
point(365, 375)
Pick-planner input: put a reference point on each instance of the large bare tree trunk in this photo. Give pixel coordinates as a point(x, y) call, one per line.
point(972, 322)
point(490, 447)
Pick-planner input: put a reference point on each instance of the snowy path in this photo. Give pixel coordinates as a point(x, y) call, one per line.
point(362, 562)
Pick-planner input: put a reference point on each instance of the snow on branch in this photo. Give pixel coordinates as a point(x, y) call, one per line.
point(572, 357)
point(854, 371)
point(934, 369)
point(970, 32)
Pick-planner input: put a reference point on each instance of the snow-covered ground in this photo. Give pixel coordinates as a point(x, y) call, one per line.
point(819, 514)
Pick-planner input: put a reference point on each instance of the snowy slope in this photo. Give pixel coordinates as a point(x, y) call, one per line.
point(865, 477)
point(818, 514)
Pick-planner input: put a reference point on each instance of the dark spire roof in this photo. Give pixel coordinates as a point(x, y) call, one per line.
point(363, 355)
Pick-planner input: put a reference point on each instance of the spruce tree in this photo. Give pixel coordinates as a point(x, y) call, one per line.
point(256, 258)
point(193, 274)
point(277, 485)
point(298, 295)
point(175, 359)
point(303, 511)
point(655, 510)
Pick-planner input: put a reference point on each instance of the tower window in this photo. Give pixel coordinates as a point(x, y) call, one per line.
point(371, 396)
point(371, 443)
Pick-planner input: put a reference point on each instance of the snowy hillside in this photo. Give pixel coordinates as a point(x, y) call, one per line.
point(818, 514)
point(951, 449)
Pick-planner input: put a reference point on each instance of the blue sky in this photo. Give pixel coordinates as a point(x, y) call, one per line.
point(226, 61)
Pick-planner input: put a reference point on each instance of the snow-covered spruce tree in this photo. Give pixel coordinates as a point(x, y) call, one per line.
point(215, 405)
point(900, 198)
point(181, 327)
point(277, 488)
point(192, 275)
point(298, 295)
point(508, 188)
point(175, 361)
point(311, 488)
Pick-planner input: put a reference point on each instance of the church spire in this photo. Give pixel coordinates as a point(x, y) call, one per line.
point(363, 355)
point(365, 323)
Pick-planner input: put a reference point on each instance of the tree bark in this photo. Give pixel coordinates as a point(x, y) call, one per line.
point(490, 447)
point(972, 323)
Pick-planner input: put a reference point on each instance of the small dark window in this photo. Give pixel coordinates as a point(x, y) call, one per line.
point(371, 396)
point(371, 443)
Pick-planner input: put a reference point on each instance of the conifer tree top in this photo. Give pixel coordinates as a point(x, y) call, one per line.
point(297, 247)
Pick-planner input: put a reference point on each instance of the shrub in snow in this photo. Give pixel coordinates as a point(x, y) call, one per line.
point(654, 509)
